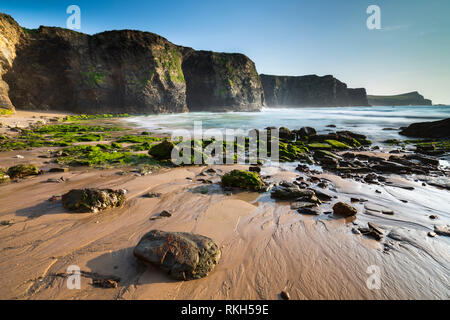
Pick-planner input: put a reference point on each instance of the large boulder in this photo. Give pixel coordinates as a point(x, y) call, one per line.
point(22, 170)
point(306, 132)
point(92, 200)
point(344, 209)
point(185, 256)
point(162, 151)
point(243, 179)
point(434, 129)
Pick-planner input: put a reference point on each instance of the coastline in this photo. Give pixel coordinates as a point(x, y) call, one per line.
point(266, 246)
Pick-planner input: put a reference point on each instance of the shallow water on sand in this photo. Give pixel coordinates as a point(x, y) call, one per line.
point(366, 120)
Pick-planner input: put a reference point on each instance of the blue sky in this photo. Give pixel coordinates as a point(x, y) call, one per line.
point(287, 37)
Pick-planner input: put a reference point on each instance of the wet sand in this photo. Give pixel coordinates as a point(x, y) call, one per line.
point(266, 246)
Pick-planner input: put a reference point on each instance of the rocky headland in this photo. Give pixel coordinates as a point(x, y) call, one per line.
point(405, 99)
point(311, 90)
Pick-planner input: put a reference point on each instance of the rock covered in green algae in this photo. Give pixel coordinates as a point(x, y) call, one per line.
point(22, 170)
point(185, 256)
point(163, 150)
point(243, 179)
point(92, 200)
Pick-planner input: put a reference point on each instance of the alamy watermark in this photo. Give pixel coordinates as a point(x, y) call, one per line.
point(74, 278)
point(374, 20)
point(373, 282)
point(74, 20)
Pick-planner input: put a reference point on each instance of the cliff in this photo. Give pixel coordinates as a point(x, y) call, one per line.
point(310, 90)
point(222, 82)
point(10, 35)
point(121, 71)
point(406, 99)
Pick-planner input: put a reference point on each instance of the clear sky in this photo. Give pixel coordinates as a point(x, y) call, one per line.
point(287, 37)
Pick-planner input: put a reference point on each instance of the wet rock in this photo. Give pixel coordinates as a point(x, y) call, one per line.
point(58, 170)
point(375, 231)
point(152, 195)
point(302, 168)
point(322, 195)
point(344, 209)
point(285, 133)
point(354, 200)
point(56, 180)
point(185, 256)
point(388, 212)
point(309, 211)
point(433, 217)
point(286, 192)
point(255, 169)
point(301, 204)
point(54, 198)
point(165, 214)
point(322, 185)
point(243, 179)
point(433, 129)
point(104, 283)
point(285, 295)
point(371, 178)
point(442, 230)
point(22, 170)
point(92, 200)
point(306, 132)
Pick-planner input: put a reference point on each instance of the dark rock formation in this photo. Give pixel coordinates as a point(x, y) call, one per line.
point(119, 72)
point(221, 82)
point(310, 90)
point(185, 256)
point(10, 34)
point(433, 129)
point(406, 99)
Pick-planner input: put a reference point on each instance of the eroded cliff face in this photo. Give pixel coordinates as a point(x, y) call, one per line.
point(119, 71)
point(116, 71)
point(310, 90)
point(221, 82)
point(10, 36)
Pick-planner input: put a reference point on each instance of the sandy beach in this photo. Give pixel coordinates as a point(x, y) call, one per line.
point(266, 246)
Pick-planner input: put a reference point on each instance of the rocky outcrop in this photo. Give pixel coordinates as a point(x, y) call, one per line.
point(122, 71)
point(115, 71)
point(221, 82)
point(406, 99)
point(185, 256)
point(433, 129)
point(10, 35)
point(310, 90)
